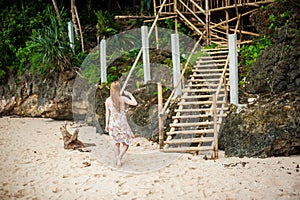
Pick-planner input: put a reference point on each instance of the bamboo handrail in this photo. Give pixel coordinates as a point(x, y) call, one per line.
point(221, 81)
point(140, 52)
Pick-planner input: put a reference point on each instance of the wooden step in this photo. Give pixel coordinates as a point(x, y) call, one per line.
point(199, 110)
point(214, 49)
point(213, 65)
point(202, 96)
point(190, 132)
point(200, 90)
point(197, 76)
point(192, 124)
point(187, 149)
point(199, 103)
point(210, 74)
point(217, 52)
point(209, 70)
point(195, 116)
point(200, 79)
point(212, 56)
point(189, 140)
point(212, 61)
point(206, 85)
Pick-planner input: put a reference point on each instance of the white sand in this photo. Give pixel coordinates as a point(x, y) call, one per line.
point(34, 165)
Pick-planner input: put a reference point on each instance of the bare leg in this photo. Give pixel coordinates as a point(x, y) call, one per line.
point(117, 153)
point(123, 150)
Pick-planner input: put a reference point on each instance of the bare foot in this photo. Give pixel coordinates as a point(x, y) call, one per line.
point(119, 164)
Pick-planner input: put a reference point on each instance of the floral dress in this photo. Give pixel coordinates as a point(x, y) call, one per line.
point(119, 128)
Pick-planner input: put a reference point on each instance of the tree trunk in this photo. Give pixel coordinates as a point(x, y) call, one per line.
point(76, 22)
point(56, 9)
point(71, 141)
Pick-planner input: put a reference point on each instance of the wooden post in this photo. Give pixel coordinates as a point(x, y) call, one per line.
point(214, 110)
point(71, 35)
point(207, 21)
point(160, 116)
point(176, 20)
point(233, 69)
point(146, 59)
point(176, 63)
point(103, 60)
point(156, 28)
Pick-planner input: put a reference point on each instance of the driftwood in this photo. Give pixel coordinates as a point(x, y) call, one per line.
point(71, 141)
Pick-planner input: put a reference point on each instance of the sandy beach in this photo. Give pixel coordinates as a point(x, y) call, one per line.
point(34, 165)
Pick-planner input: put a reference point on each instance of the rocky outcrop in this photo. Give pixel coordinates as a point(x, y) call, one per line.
point(33, 95)
point(270, 126)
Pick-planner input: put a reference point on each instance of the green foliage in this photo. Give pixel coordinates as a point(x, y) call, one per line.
point(49, 46)
point(104, 19)
point(170, 24)
point(249, 53)
point(278, 21)
point(16, 25)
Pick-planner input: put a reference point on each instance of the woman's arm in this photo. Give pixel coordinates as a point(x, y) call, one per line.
point(107, 116)
point(130, 101)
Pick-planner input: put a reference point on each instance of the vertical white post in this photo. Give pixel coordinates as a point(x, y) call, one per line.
point(146, 60)
point(71, 36)
point(233, 69)
point(103, 60)
point(176, 64)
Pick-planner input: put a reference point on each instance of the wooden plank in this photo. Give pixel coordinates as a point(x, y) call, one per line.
point(189, 140)
point(199, 103)
point(199, 109)
point(199, 65)
point(202, 96)
point(208, 70)
point(212, 61)
point(187, 149)
point(212, 56)
point(195, 116)
point(191, 124)
point(199, 90)
point(189, 132)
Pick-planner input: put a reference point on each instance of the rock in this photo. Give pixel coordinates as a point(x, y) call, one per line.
point(270, 127)
point(33, 95)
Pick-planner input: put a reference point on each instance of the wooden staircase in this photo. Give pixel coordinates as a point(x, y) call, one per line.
point(197, 123)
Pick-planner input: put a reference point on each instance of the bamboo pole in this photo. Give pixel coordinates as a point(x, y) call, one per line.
point(215, 126)
point(162, 18)
point(160, 116)
point(134, 17)
point(232, 19)
point(190, 24)
point(257, 4)
point(156, 28)
point(192, 12)
point(207, 21)
point(176, 19)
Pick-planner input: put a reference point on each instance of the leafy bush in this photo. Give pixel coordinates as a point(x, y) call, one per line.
point(249, 53)
point(17, 22)
point(49, 46)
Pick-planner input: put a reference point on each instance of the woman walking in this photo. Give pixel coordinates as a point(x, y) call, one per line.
point(116, 121)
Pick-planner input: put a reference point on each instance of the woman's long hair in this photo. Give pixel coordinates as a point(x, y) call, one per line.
point(115, 89)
